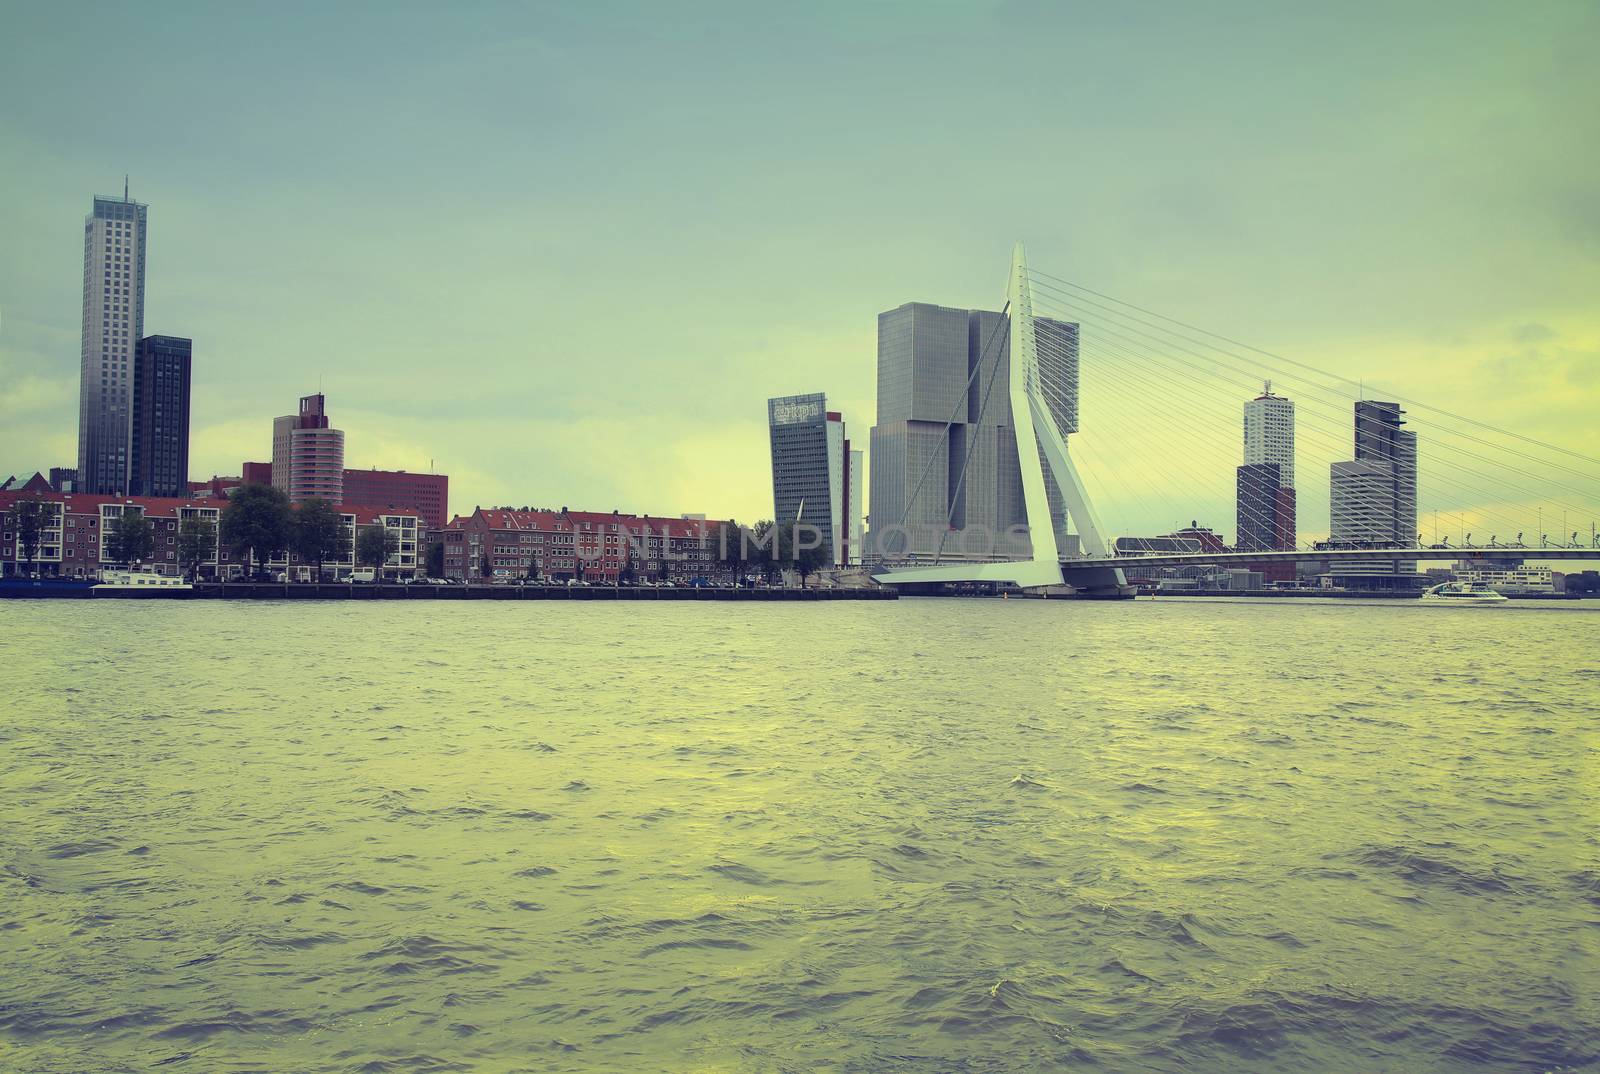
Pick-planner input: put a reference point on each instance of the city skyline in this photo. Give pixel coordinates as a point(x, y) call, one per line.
point(432, 333)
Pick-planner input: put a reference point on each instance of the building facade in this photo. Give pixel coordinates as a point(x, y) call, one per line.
point(1373, 497)
point(160, 460)
point(114, 238)
point(1264, 500)
point(308, 453)
point(959, 493)
point(500, 544)
point(816, 476)
point(74, 540)
point(428, 494)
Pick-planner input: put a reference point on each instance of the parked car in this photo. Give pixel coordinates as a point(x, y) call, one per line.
point(362, 576)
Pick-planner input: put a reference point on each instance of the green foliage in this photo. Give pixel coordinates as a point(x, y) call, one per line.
point(257, 523)
point(733, 549)
point(374, 546)
point(28, 517)
point(197, 543)
point(132, 538)
point(485, 568)
point(318, 534)
point(630, 564)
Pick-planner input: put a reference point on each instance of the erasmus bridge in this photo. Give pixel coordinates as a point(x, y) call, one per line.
point(1159, 437)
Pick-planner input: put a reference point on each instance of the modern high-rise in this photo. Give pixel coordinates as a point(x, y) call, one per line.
point(1264, 492)
point(307, 453)
point(816, 476)
point(114, 236)
point(160, 452)
point(961, 494)
point(1373, 498)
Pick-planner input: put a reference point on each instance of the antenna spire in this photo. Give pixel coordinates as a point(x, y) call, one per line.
point(124, 186)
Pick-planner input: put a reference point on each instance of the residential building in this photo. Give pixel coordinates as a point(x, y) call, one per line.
point(114, 238)
point(1265, 494)
point(160, 465)
point(816, 477)
point(429, 494)
point(505, 544)
point(74, 543)
point(1373, 497)
point(256, 473)
point(308, 453)
point(945, 472)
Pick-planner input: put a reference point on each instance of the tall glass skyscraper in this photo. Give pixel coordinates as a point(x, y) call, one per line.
point(942, 368)
point(114, 236)
point(1374, 496)
point(1265, 496)
point(816, 476)
point(160, 453)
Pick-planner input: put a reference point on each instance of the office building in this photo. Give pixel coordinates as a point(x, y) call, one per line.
point(959, 495)
point(160, 452)
point(64, 478)
point(1373, 497)
point(816, 476)
point(429, 494)
point(256, 473)
point(114, 237)
point(308, 453)
point(1264, 489)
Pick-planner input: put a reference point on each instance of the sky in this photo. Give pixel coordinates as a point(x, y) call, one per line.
point(564, 253)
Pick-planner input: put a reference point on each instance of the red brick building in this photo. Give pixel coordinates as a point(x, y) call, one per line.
point(559, 545)
point(428, 493)
point(73, 542)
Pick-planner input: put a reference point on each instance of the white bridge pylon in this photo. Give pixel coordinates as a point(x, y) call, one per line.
point(1034, 425)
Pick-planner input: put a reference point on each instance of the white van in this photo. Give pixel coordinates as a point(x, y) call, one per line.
point(366, 575)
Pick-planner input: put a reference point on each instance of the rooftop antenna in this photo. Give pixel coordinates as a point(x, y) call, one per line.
point(124, 186)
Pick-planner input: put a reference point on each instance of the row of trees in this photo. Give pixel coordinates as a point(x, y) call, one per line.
point(259, 524)
point(770, 549)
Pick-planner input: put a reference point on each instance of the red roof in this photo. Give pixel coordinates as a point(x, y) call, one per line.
point(497, 518)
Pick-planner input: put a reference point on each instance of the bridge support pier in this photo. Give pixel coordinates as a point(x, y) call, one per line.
point(1097, 583)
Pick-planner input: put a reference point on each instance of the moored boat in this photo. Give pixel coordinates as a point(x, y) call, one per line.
point(1464, 594)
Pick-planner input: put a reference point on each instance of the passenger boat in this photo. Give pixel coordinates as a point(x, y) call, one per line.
point(138, 581)
point(1462, 593)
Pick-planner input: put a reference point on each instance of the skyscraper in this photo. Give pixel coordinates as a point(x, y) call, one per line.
point(1264, 493)
point(160, 450)
point(307, 453)
point(1374, 497)
point(939, 366)
point(816, 476)
point(114, 236)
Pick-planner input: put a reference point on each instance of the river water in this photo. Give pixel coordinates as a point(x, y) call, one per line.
point(923, 836)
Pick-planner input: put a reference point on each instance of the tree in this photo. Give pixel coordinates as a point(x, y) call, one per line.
point(132, 538)
point(796, 552)
point(197, 543)
point(630, 565)
point(766, 540)
point(257, 523)
point(732, 549)
point(485, 568)
point(807, 561)
point(435, 566)
point(374, 546)
point(318, 533)
point(532, 573)
point(28, 519)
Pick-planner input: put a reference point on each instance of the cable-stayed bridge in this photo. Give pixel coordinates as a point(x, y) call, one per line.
point(1359, 485)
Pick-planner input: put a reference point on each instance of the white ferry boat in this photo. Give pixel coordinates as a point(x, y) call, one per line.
point(122, 581)
point(1463, 594)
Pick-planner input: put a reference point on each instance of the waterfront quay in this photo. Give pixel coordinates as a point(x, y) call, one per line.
point(419, 591)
